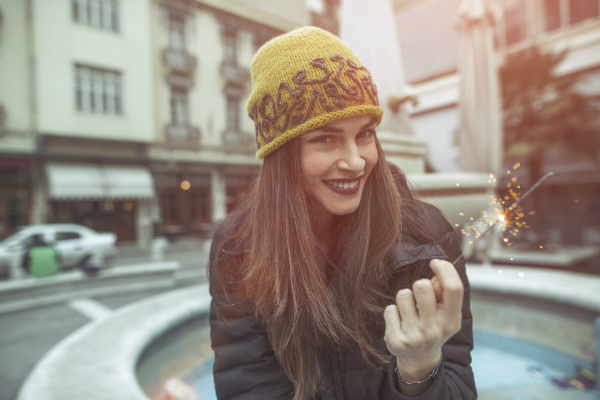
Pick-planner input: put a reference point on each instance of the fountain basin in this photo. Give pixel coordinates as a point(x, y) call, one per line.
point(530, 322)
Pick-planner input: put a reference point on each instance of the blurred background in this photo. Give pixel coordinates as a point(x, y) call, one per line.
point(124, 141)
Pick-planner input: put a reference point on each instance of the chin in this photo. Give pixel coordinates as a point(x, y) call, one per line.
point(343, 210)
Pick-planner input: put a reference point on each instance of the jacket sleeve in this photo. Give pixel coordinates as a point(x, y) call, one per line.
point(245, 364)
point(454, 380)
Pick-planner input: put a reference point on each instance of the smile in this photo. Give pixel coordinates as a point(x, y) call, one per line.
point(344, 186)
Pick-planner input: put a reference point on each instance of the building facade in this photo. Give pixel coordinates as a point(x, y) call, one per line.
point(431, 56)
point(129, 116)
point(569, 213)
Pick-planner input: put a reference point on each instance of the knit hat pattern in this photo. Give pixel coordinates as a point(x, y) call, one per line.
point(305, 79)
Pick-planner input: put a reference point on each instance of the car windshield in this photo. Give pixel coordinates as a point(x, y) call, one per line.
point(17, 237)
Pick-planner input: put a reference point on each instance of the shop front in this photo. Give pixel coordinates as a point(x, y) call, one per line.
point(106, 198)
point(186, 203)
point(15, 194)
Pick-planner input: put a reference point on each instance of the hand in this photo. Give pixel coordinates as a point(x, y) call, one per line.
point(416, 331)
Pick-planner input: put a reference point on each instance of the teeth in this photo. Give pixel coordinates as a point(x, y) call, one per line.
point(342, 185)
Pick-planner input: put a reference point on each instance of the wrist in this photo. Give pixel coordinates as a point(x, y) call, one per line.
point(411, 372)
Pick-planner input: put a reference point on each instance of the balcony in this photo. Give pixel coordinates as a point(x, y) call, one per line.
point(182, 136)
point(234, 74)
point(179, 62)
point(239, 142)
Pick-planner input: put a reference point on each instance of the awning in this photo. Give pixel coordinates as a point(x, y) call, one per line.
point(98, 182)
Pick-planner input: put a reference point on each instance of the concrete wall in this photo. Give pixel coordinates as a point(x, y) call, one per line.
point(16, 89)
point(293, 10)
point(61, 42)
point(14, 67)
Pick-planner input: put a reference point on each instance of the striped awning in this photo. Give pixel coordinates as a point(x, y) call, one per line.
point(98, 182)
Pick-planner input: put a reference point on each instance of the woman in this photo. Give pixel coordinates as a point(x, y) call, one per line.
point(329, 281)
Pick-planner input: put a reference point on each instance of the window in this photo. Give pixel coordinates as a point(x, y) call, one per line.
point(580, 10)
point(98, 90)
point(233, 114)
point(551, 10)
point(176, 33)
point(515, 23)
point(230, 47)
point(102, 14)
point(67, 236)
point(179, 107)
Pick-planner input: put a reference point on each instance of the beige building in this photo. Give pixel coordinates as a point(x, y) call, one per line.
point(431, 56)
point(129, 116)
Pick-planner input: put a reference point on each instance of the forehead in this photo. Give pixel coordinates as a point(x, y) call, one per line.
point(348, 124)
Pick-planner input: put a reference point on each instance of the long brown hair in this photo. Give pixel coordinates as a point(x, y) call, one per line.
point(303, 294)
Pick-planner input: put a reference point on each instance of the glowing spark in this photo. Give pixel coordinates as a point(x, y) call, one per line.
point(458, 184)
point(541, 247)
point(507, 218)
point(461, 214)
point(499, 271)
point(521, 274)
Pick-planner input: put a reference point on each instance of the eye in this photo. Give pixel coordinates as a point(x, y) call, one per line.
point(322, 140)
point(366, 134)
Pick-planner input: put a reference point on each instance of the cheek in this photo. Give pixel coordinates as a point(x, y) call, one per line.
point(313, 168)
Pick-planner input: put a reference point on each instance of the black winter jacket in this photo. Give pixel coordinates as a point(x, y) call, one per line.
point(245, 363)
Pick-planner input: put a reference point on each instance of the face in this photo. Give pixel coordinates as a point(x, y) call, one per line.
point(337, 160)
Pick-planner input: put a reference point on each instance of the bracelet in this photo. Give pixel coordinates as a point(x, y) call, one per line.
point(431, 375)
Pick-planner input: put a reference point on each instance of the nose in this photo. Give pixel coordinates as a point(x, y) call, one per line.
point(350, 159)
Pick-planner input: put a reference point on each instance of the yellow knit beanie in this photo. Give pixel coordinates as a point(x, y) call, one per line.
point(305, 79)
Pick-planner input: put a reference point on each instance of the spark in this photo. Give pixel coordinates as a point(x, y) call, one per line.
point(509, 218)
point(521, 274)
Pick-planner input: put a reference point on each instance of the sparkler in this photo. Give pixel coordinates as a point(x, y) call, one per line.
point(504, 216)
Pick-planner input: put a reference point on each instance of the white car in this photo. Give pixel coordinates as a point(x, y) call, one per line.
point(76, 245)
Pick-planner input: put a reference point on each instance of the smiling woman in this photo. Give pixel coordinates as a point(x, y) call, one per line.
point(328, 282)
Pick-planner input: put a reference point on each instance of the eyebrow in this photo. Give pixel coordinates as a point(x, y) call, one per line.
point(333, 129)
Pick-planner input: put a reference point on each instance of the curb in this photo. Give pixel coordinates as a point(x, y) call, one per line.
point(34, 292)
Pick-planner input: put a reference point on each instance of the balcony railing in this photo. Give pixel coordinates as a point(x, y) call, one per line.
point(234, 74)
point(239, 142)
point(179, 61)
point(182, 135)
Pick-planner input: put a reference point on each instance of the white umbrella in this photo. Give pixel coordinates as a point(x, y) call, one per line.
point(480, 131)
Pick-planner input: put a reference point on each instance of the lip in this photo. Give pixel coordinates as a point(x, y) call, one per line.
point(348, 191)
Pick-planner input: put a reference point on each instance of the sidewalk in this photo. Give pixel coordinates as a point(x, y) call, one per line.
point(190, 252)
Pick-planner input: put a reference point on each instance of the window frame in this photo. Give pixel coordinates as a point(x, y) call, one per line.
point(105, 15)
point(99, 91)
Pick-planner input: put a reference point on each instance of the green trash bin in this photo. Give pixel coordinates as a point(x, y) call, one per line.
point(43, 261)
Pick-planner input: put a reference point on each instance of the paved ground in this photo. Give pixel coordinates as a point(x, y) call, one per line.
point(27, 335)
